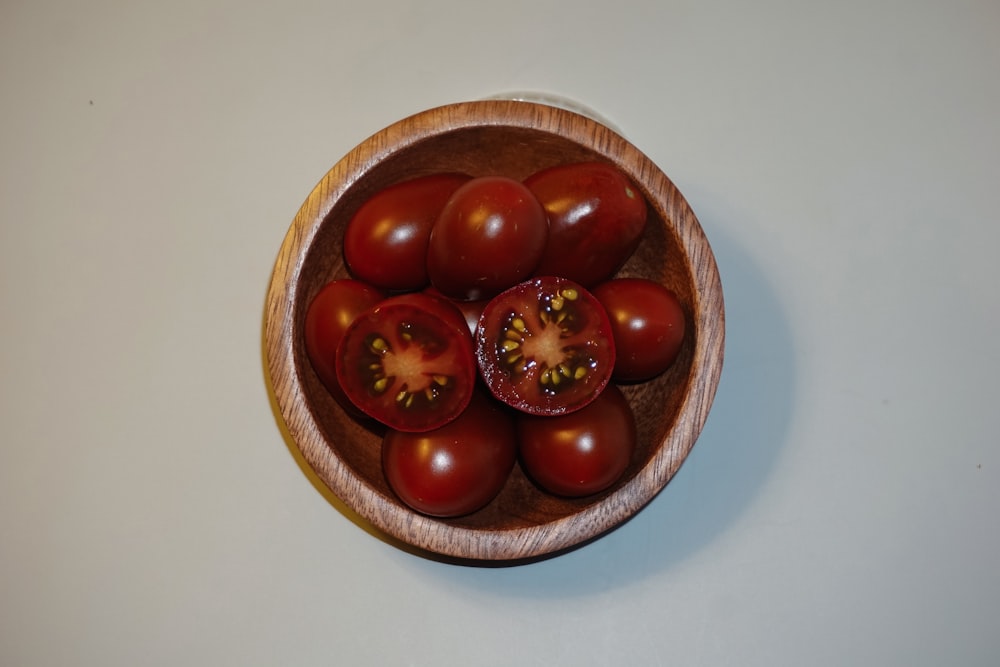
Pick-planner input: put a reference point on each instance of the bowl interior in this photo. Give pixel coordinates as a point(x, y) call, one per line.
point(512, 139)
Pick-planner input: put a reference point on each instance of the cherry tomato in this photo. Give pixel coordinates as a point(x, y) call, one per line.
point(580, 453)
point(408, 362)
point(648, 325)
point(545, 346)
point(329, 315)
point(596, 219)
point(489, 236)
point(471, 310)
point(385, 243)
point(456, 469)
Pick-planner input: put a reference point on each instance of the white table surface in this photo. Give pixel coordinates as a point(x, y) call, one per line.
point(841, 505)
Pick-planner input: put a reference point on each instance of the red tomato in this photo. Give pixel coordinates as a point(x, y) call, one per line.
point(330, 313)
point(456, 469)
point(648, 325)
point(471, 310)
point(408, 362)
point(385, 243)
point(489, 236)
point(580, 453)
point(596, 219)
point(545, 346)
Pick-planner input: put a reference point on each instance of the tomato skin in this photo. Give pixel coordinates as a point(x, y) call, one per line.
point(456, 469)
point(385, 241)
point(580, 453)
point(489, 236)
point(545, 346)
point(471, 310)
point(330, 313)
point(408, 362)
point(648, 324)
point(596, 219)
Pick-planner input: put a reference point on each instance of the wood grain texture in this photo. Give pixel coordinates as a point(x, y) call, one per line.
point(511, 138)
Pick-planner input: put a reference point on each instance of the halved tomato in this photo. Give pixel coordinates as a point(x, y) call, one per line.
point(545, 346)
point(408, 362)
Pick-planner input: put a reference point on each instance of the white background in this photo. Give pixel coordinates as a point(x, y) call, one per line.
point(841, 505)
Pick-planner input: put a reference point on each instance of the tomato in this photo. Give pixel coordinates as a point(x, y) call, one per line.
point(596, 219)
point(408, 362)
point(489, 236)
point(456, 469)
point(545, 346)
point(580, 453)
point(648, 325)
point(385, 242)
point(471, 310)
point(329, 315)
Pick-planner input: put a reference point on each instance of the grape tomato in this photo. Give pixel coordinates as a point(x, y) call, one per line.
point(596, 218)
point(408, 362)
point(545, 346)
point(648, 325)
point(580, 453)
point(385, 242)
point(329, 315)
point(489, 236)
point(457, 468)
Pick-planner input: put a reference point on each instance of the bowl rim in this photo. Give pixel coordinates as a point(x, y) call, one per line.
point(436, 536)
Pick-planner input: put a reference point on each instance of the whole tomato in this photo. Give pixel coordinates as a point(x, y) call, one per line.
point(647, 323)
point(456, 469)
point(489, 236)
point(385, 242)
point(580, 453)
point(330, 313)
point(596, 219)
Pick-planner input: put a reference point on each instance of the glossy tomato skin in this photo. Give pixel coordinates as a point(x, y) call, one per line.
point(648, 324)
point(471, 310)
point(408, 362)
point(596, 219)
point(330, 313)
point(581, 453)
point(456, 469)
point(545, 346)
point(489, 236)
point(385, 242)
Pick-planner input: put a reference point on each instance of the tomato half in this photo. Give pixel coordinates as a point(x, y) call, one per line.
point(330, 313)
point(408, 362)
point(648, 325)
point(545, 346)
point(489, 236)
point(385, 242)
point(580, 453)
point(456, 469)
point(596, 219)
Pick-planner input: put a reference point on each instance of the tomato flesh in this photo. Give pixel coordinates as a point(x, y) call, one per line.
point(408, 362)
point(545, 346)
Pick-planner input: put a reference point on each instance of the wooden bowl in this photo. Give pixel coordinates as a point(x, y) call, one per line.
point(512, 138)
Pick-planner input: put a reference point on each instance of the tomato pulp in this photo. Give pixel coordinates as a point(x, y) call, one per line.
point(545, 346)
point(408, 362)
